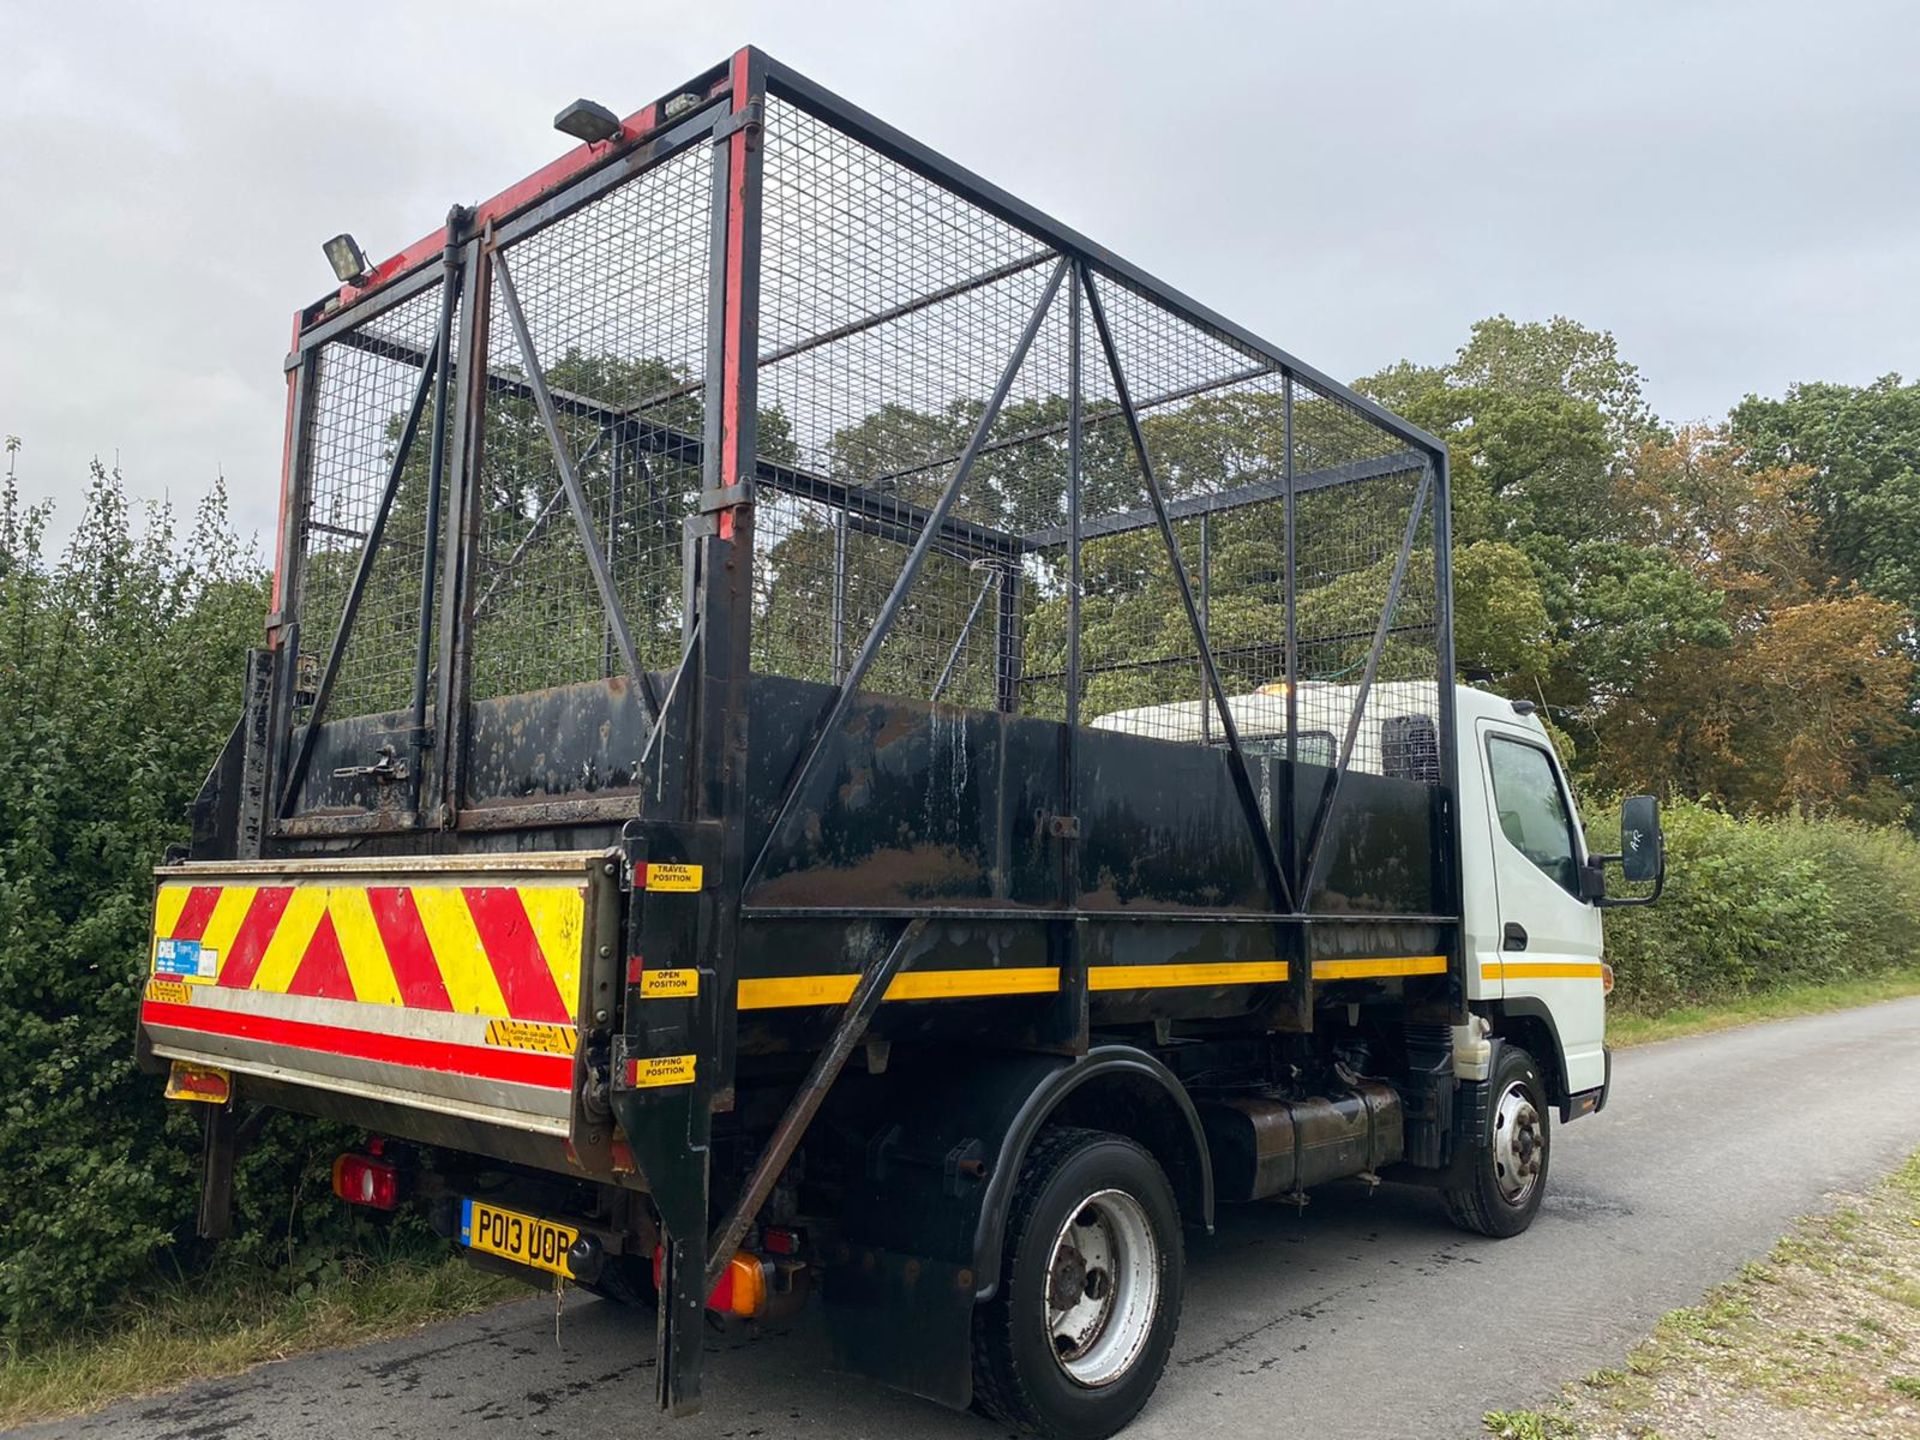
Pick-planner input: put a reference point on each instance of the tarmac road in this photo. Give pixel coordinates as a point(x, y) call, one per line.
point(1364, 1316)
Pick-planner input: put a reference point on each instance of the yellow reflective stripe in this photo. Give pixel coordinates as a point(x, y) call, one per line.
point(1378, 969)
point(288, 947)
point(361, 946)
point(1154, 977)
point(776, 994)
point(784, 992)
point(469, 978)
point(558, 916)
point(1540, 970)
point(167, 906)
point(953, 984)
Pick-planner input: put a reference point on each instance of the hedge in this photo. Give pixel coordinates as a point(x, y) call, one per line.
point(1759, 903)
point(119, 681)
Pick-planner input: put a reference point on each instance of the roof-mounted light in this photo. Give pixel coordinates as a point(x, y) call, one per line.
point(349, 261)
point(587, 121)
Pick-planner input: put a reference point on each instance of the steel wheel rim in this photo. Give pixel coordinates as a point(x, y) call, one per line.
point(1103, 1288)
point(1519, 1144)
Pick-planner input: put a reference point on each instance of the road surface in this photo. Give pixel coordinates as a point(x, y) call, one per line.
point(1364, 1316)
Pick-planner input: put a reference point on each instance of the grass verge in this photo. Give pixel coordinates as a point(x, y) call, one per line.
point(220, 1325)
point(1821, 1339)
point(1624, 1027)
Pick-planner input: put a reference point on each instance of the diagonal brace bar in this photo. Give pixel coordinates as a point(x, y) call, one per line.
point(1236, 757)
point(847, 1033)
point(966, 629)
point(369, 552)
point(576, 497)
point(1317, 835)
point(929, 532)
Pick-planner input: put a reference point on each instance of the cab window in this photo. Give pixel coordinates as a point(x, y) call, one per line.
point(1533, 809)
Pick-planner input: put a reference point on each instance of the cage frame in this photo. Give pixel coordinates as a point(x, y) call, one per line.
point(724, 108)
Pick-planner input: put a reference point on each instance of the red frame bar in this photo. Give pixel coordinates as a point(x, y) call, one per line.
point(734, 337)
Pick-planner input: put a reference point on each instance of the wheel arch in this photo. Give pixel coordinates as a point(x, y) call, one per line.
point(1528, 1023)
point(1115, 1088)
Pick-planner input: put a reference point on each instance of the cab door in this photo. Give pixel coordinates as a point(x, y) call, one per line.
point(1549, 938)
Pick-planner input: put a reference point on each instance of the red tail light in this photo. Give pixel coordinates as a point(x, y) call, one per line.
point(363, 1180)
point(743, 1284)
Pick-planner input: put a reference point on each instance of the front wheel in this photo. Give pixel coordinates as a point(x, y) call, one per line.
point(1508, 1168)
point(1076, 1338)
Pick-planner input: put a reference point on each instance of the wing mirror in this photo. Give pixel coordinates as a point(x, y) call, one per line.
point(1642, 858)
point(1643, 849)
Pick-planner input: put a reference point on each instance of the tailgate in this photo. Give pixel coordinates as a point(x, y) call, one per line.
point(445, 983)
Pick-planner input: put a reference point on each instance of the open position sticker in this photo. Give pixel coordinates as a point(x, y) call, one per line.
point(660, 984)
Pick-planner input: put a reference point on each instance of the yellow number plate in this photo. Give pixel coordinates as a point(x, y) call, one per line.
point(528, 1239)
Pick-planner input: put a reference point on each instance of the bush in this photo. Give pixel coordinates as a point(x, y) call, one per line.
point(119, 681)
point(1760, 903)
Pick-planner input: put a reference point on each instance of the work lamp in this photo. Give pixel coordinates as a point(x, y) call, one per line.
point(349, 261)
point(587, 121)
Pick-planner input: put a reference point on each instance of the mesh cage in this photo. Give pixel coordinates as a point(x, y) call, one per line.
point(889, 308)
point(920, 355)
point(892, 307)
point(363, 385)
point(615, 297)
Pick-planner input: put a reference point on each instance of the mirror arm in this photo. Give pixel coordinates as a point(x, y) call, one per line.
point(1619, 902)
point(1593, 878)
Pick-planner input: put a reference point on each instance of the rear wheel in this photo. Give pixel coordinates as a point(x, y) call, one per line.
point(1508, 1175)
point(1078, 1334)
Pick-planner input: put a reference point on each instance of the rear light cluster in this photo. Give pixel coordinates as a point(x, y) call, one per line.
point(742, 1289)
point(366, 1180)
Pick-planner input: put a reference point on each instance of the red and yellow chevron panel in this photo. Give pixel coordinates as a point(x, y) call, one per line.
point(504, 951)
point(442, 984)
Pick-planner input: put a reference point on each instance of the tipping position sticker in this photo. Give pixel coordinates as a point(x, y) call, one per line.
point(660, 1070)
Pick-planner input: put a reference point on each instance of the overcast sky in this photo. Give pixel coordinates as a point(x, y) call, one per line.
point(1732, 188)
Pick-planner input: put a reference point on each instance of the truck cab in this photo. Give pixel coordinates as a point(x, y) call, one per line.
point(1533, 930)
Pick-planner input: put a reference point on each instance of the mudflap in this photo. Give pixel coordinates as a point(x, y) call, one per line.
point(900, 1287)
point(923, 1222)
point(667, 1064)
point(902, 1319)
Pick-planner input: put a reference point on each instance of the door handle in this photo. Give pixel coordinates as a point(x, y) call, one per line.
point(1514, 937)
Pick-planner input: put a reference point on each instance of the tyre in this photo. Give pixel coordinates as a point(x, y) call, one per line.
point(1508, 1168)
point(1077, 1336)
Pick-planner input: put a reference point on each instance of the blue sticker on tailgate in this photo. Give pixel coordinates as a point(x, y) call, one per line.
point(188, 959)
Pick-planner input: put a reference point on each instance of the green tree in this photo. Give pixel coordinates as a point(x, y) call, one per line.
point(1858, 448)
